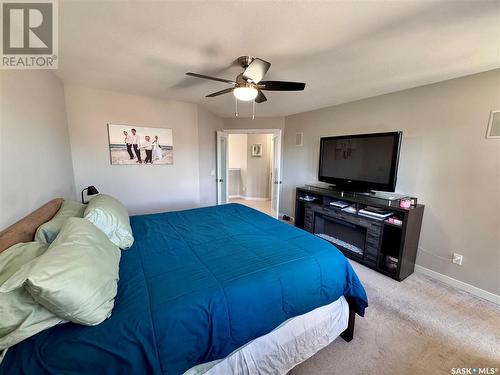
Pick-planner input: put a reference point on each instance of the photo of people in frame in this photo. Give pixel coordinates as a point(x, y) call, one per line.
point(139, 145)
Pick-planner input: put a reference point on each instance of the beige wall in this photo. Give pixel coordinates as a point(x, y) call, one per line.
point(237, 150)
point(258, 172)
point(237, 159)
point(142, 188)
point(35, 156)
point(258, 123)
point(445, 161)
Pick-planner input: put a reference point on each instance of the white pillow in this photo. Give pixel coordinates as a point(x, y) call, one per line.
point(110, 215)
point(20, 315)
point(76, 278)
point(48, 231)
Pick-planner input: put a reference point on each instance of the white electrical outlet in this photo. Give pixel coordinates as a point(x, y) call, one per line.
point(457, 259)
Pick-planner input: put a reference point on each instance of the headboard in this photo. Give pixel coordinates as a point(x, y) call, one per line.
point(24, 230)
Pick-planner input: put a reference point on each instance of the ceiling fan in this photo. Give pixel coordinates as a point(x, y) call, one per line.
point(249, 85)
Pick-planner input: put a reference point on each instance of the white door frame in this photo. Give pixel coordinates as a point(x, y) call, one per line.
point(276, 178)
point(225, 133)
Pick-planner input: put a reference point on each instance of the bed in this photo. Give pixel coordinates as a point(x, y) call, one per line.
point(199, 286)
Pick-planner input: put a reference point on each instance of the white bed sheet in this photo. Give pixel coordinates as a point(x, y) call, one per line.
point(286, 346)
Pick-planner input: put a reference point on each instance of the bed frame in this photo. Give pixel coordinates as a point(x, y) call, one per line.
point(24, 231)
point(348, 334)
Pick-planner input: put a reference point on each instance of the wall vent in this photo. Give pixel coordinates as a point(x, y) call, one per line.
point(299, 139)
point(493, 125)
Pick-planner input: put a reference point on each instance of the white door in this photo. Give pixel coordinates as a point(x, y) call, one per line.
point(222, 153)
point(276, 174)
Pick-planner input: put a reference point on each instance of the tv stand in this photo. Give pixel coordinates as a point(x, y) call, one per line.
point(386, 247)
point(368, 192)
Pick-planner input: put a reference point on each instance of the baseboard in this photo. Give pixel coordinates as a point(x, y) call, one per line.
point(481, 293)
point(234, 197)
point(254, 198)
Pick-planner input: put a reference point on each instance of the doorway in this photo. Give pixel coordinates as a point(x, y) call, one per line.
point(249, 168)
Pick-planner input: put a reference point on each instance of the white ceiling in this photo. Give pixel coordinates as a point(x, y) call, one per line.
point(343, 50)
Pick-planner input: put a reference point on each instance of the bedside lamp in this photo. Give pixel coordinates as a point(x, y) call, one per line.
point(91, 190)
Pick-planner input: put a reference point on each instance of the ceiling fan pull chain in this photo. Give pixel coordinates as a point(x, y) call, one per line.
point(235, 107)
point(253, 109)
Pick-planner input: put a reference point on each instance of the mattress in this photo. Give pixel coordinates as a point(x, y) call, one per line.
point(195, 286)
point(284, 347)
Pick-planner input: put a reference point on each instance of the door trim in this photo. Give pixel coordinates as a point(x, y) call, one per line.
point(219, 178)
point(275, 132)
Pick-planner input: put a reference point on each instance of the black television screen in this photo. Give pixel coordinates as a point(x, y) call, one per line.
point(361, 161)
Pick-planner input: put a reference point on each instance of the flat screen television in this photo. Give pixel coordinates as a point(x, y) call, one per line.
point(360, 162)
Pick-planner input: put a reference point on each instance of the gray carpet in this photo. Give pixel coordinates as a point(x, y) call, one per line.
point(418, 326)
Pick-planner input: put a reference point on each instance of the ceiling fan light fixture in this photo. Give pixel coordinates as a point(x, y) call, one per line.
point(248, 85)
point(245, 93)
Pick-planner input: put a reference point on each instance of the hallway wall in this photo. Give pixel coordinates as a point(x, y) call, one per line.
point(258, 171)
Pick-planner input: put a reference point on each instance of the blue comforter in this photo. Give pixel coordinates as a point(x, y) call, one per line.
point(196, 285)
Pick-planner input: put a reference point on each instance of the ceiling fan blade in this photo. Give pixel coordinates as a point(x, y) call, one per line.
point(208, 77)
point(221, 92)
point(256, 70)
point(281, 86)
point(260, 97)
